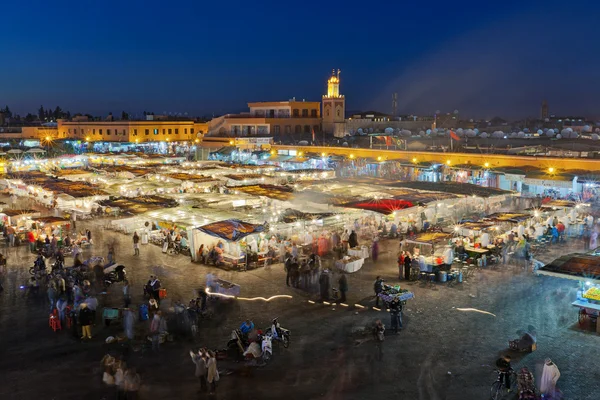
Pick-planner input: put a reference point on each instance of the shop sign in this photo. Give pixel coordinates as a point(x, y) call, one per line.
point(548, 183)
point(514, 178)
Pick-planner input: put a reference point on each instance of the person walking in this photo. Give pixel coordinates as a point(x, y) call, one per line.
point(295, 271)
point(201, 371)
point(550, 375)
point(136, 244)
point(119, 368)
point(212, 373)
point(379, 335)
point(396, 314)
point(586, 237)
point(85, 320)
point(52, 293)
point(126, 294)
point(407, 266)
point(377, 288)
point(400, 264)
point(353, 240)
point(375, 250)
point(31, 240)
point(155, 327)
point(324, 285)
point(132, 383)
point(111, 254)
point(343, 287)
point(288, 269)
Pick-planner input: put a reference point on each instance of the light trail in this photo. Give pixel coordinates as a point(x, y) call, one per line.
point(227, 296)
point(476, 310)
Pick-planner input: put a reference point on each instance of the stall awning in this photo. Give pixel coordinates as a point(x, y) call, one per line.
point(508, 217)
point(429, 238)
point(232, 229)
point(52, 220)
point(385, 206)
point(291, 215)
point(576, 266)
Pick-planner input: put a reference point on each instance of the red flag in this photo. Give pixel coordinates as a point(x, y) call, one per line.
point(313, 134)
point(454, 136)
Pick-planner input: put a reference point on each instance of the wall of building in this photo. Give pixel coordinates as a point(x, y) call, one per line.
point(132, 131)
point(492, 160)
point(353, 125)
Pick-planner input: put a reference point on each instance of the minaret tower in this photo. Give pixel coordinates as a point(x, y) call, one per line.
point(334, 107)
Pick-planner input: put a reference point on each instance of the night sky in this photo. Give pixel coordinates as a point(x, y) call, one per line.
point(205, 57)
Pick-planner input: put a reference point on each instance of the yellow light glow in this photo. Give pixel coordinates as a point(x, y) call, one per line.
point(167, 139)
point(279, 296)
point(487, 165)
point(414, 159)
point(323, 154)
point(379, 158)
point(300, 154)
point(272, 152)
point(137, 140)
point(231, 142)
point(551, 170)
point(87, 139)
point(48, 138)
point(351, 155)
point(448, 162)
point(197, 140)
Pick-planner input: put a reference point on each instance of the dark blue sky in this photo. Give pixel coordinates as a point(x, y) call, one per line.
point(204, 57)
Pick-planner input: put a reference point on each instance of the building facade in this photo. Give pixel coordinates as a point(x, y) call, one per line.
point(334, 107)
point(275, 118)
point(131, 131)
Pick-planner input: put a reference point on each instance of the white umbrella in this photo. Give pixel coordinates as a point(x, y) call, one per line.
point(35, 150)
point(14, 151)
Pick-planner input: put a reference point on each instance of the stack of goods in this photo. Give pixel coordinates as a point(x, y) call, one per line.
point(389, 292)
point(592, 294)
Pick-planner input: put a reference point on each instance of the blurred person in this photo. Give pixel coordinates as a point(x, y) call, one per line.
point(213, 373)
point(126, 294)
point(396, 314)
point(377, 288)
point(136, 244)
point(132, 383)
point(550, 375)
point(85, 320)
point(343, 287)
point(503, 365)
point(201, 370)
point(379, 336)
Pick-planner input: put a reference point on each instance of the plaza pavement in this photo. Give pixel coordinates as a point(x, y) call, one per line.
point(442, 354)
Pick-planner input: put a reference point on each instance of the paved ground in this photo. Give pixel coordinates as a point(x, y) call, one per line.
point(442, 353)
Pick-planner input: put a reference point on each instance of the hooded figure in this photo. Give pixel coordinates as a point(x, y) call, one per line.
point(550, 376)
point(353, 240)
point(375, 250)
point(324, 285)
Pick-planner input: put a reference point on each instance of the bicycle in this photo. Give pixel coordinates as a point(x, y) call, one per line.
point(498, 389)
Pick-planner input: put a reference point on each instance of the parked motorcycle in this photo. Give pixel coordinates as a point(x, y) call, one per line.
point(279, 333)
point(114, 273)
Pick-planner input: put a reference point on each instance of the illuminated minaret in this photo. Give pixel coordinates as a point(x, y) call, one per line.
point(334, 107)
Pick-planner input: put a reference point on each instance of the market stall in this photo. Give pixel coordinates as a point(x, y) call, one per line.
point(584, 268)
point(233, 241)
point(350, 264)
point(390, 292)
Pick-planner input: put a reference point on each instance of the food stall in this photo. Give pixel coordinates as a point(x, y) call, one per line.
point(390, 292)
point(234, 241)
point(585, 268)
point(350, 264)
